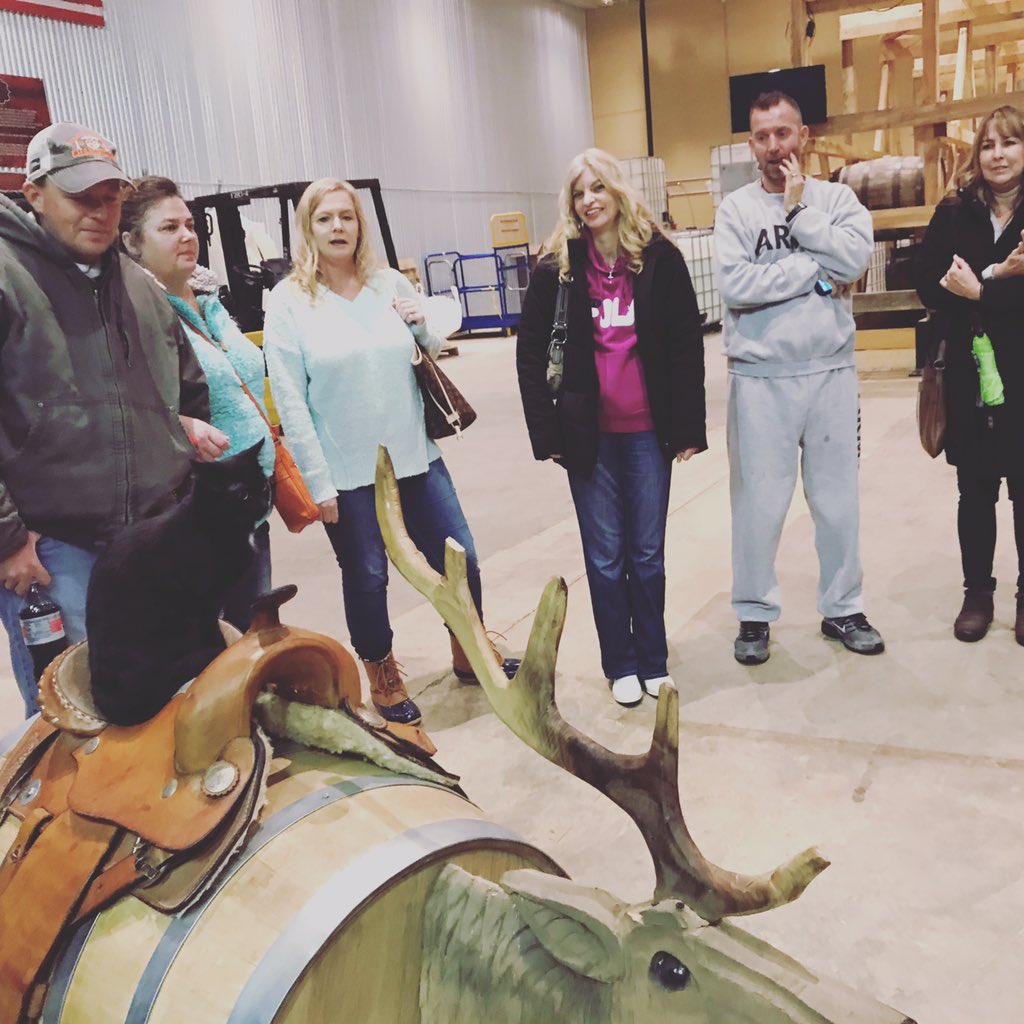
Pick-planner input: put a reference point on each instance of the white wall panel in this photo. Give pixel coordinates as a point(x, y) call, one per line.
point(462, 108)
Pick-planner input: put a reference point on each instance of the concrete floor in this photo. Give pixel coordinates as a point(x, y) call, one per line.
point(906, 769)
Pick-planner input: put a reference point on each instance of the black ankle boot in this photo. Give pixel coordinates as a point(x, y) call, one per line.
point(975, 616)
point(1018, 626)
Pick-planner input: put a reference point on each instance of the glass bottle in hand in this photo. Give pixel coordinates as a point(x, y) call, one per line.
point(42, 626)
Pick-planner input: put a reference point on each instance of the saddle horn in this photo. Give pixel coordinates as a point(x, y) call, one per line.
point(267, 607)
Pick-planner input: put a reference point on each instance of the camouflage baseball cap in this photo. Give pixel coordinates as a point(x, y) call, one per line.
point(74, 157)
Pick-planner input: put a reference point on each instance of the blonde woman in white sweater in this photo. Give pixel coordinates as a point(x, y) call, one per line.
point(339, 338)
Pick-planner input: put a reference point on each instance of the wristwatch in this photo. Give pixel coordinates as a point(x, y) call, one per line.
point(796, 209)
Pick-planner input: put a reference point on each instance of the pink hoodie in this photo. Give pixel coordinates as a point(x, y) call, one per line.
point(624, 408)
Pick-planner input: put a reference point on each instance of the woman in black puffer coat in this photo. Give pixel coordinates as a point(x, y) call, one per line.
point(631, 400)
point(971, 273)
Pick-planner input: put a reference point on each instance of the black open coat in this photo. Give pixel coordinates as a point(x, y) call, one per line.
point(671, 349)
point(989, 441)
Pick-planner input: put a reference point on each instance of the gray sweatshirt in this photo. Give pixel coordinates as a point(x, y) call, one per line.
point(776, 324)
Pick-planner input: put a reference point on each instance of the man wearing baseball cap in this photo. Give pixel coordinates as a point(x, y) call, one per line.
point(100, 392)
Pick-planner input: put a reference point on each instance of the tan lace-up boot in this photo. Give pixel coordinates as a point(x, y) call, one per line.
point(388, 692)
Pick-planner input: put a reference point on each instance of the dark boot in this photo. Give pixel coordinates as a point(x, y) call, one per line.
point(1018, 626)
point(388, 692)
point(464, 671)
point(975, 616)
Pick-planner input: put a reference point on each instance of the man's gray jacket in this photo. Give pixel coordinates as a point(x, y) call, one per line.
point(93, 375)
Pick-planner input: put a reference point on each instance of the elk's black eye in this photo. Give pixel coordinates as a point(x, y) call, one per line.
point(669, 973)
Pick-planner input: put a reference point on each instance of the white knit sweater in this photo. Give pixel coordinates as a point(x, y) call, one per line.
point(342, 379)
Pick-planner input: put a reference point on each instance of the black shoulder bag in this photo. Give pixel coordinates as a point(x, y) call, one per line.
point(559, 334)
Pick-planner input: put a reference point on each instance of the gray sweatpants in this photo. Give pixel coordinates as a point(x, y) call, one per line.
point(770, 420)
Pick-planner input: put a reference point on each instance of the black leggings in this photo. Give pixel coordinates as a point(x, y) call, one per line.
point(976, 525)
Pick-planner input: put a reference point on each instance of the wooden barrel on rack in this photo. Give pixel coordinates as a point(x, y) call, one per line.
point(887, 182)
point(316, 920)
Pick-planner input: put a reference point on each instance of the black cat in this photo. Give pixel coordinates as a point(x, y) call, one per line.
point(156, 591)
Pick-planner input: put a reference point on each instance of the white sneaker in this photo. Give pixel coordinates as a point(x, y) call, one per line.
point(653, 686)
point(627, 690)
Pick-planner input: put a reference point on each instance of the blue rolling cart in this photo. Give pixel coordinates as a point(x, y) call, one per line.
point(489, 285)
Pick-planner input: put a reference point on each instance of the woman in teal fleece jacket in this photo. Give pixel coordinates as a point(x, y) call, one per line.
point(157, 230)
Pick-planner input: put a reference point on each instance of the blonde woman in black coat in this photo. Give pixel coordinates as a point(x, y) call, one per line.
point(632, 399)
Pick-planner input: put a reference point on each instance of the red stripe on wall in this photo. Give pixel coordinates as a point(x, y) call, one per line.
point(42, 10)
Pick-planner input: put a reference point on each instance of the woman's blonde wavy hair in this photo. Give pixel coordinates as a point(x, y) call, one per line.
point(1009, 124)
point(636, 225)
point(305, 268)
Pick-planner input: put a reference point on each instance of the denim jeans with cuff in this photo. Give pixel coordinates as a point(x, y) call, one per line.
point(622, 511)
point(432, 514)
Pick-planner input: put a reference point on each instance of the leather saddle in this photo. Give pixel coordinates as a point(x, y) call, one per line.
point(153, 808)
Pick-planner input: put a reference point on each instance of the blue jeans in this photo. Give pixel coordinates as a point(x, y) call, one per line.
point(622, 511)
point(70, 568)
point(256, 581)
point(432, 514)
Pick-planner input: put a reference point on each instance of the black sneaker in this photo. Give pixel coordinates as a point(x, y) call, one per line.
point(751, 646)
point(855, 633)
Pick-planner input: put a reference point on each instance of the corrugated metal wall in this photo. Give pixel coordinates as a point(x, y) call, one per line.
point(462, 108)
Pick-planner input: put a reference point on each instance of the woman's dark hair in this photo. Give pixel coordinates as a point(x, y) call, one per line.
point(137, 203)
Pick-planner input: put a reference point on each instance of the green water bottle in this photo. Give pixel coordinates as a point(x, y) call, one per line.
point(988, 373)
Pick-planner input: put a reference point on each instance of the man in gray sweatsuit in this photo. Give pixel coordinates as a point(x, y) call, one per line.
point(788, 250)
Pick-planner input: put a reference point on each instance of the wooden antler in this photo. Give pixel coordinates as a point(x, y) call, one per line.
point(645, 786)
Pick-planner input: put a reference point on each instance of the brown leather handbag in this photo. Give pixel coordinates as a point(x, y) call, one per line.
point(931, 403)
point(294, 503)
point(445, 410)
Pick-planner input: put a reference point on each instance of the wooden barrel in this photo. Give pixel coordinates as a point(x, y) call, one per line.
point(887, 182)
point(317, 920)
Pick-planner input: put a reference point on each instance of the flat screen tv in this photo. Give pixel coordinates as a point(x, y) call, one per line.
point(805, 85)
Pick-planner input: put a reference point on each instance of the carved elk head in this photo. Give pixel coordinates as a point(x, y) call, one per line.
point(652, 961)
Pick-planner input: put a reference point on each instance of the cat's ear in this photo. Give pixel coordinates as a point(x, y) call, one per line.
point(247, 454)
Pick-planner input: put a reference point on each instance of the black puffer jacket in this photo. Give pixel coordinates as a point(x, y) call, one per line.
point(671, 350)
point(91, 385)
point(990, 441)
